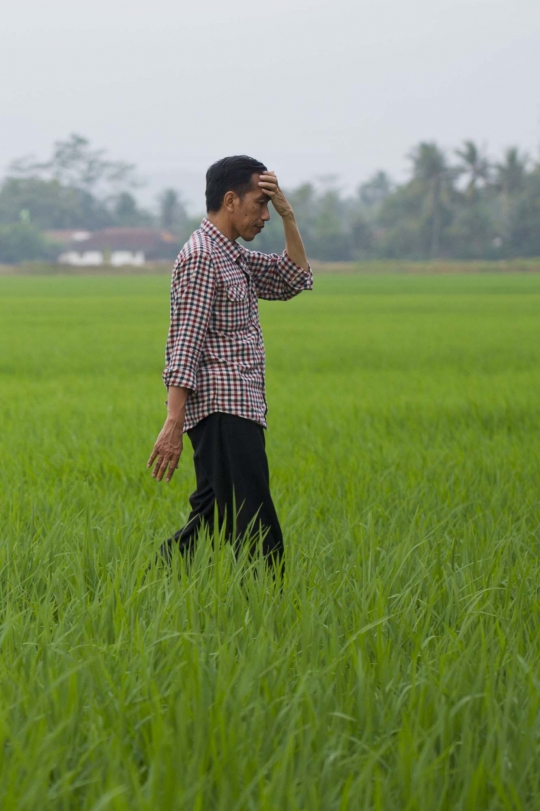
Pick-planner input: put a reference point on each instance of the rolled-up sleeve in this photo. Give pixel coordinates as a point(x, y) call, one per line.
point(193, 290)
point(276, 276)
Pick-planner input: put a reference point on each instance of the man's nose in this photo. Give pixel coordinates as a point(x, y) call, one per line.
point(265, 215)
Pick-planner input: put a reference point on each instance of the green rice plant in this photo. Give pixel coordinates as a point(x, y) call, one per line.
point(399, 666)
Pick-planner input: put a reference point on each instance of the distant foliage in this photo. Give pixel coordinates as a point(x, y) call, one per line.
point(51, 205)
point(459, 206)
point(22, 241)
point(455, 205)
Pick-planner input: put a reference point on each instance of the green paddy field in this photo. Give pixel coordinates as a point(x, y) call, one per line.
point(399, 669)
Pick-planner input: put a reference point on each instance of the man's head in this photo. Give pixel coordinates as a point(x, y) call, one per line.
point(232, 193)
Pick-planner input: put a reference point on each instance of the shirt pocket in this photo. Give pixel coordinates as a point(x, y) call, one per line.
point(236, 291)
point(231, 311)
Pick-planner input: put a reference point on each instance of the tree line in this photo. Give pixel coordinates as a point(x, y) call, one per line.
point(78, 188)
point(457, 204)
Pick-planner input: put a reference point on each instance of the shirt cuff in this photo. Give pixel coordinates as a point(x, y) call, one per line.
point(180, 377)
point(296, 276)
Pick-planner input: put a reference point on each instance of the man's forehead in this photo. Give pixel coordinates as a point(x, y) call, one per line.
point(255, 189)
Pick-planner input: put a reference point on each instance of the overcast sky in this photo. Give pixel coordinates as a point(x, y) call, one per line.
point(310, 87)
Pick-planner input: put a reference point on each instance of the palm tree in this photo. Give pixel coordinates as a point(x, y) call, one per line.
point(375, 190)
point(511, 173)
point(172, 213)
point(431, 170)
point(510, 178)
point(475, 165)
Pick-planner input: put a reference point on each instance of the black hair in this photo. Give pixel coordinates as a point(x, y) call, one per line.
point(230, 174)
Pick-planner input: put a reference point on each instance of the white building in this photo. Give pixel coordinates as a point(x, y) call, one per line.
point(115, 246)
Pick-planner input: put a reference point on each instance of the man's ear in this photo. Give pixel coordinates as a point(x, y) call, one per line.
point(228, 201)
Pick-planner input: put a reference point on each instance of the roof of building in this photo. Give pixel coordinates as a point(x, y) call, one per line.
point(67, 236)
point(151, 241)
point(127, 239)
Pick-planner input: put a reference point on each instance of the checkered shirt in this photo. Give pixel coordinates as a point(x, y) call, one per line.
point(215, 345)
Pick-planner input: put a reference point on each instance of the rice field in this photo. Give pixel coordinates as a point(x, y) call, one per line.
point(399, 667)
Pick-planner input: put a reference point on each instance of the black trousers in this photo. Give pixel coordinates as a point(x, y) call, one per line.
point(232, 473)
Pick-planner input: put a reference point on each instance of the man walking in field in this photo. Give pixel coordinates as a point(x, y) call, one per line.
point(215, 363)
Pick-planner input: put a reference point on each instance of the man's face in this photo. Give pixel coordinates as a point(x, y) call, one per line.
point(251, 211)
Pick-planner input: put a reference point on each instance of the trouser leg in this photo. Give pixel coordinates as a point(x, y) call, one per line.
point(232, 471)
point(233, 459)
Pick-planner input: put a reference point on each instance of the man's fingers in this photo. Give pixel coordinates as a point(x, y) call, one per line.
point(163, 467)
point(173, 464)
point(272, 180)
point(152, 457)
point(172, 467)
point(162, 462)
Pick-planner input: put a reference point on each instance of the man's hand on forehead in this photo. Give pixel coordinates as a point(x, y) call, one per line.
point(268, 179)
point(269, 184)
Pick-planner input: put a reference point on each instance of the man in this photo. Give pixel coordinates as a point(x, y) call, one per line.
point(215, 363)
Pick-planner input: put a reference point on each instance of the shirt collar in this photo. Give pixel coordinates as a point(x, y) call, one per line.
point(234, 250)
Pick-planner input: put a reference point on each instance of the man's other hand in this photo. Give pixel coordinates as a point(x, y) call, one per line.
point(270, 186)
point(167, 450)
